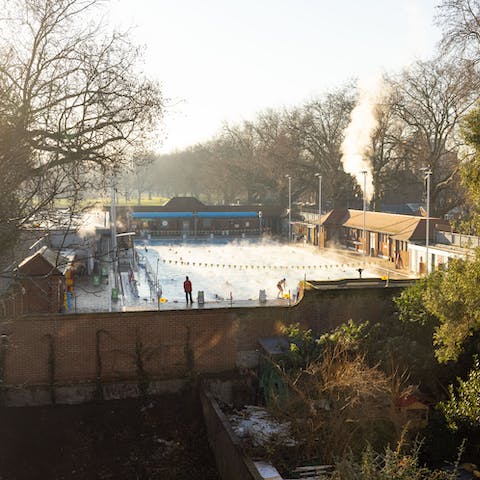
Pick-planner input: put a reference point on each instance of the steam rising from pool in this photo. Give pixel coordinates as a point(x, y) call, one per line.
point(239, 268)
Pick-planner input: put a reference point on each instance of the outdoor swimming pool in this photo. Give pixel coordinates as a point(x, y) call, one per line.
point(236, 269)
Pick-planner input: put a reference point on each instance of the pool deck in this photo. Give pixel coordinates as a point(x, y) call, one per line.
point(90, 298)
point(98, 298)
point(377, 265)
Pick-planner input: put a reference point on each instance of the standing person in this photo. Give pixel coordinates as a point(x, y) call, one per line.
point(187, 286)
point(281, 286)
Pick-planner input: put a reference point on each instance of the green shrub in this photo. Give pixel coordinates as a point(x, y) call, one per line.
point(392, 465)
point(462, 409)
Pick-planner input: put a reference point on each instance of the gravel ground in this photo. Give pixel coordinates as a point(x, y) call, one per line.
point(158, 438)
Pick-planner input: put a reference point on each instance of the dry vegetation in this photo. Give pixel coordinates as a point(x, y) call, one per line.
point(339, 404)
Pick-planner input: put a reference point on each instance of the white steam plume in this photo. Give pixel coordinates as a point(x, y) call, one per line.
point(358, 134)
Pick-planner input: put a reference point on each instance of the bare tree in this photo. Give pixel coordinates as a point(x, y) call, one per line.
point(393, 175)
point(460, 21)
point(240, 144)
point(221, 160)
point(381, 152)
point(253, 158)
point(72, 109)
point(320, 125)
point(430, 98)
point(249, 161)
point(279, 153)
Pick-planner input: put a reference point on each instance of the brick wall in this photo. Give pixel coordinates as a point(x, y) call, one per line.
point(214, 337)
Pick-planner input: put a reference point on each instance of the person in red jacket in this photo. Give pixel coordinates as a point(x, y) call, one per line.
point(187, 286)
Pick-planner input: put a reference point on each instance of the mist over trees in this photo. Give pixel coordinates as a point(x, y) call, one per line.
point(418, 125)
point(73, 107)
point(249, 161)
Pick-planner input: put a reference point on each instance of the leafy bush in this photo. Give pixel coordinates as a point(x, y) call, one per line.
point(448, 301)
point(462, 409)
point(304, 347)
point(350, 336)
point(392, 465)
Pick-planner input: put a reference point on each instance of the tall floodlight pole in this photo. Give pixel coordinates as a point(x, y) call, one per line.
point(319, 205)
point(289, 207)
point(364, 173)
point(427, 173)
point(113, 227)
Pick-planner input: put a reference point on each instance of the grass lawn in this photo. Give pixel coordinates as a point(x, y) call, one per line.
point(99, 201)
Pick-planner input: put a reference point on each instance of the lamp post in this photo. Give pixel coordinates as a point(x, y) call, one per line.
point(113, 230)
point(319, 205)
point(364, 173)
point(289, 207)
point(427, 173)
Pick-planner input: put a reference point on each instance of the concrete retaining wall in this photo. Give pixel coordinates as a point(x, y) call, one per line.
point(232, 464)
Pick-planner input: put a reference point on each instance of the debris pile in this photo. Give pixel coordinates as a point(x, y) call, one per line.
point(260, 428)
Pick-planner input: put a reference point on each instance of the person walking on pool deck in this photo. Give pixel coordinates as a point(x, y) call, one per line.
point(187, 286)
point(281, 286)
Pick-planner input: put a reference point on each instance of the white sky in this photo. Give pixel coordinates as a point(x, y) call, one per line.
point(226, 60)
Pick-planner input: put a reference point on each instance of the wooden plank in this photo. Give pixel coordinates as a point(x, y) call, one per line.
point(313, 467)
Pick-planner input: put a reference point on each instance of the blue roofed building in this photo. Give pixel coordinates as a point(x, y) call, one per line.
point(189, 217)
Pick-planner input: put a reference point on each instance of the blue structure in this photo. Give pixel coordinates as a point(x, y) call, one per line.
point(188, 217)
point(150, 215)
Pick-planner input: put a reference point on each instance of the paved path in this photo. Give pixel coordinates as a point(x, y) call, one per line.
point(374, 264)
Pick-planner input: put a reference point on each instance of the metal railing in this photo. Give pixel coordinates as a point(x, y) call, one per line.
point(457, 239)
